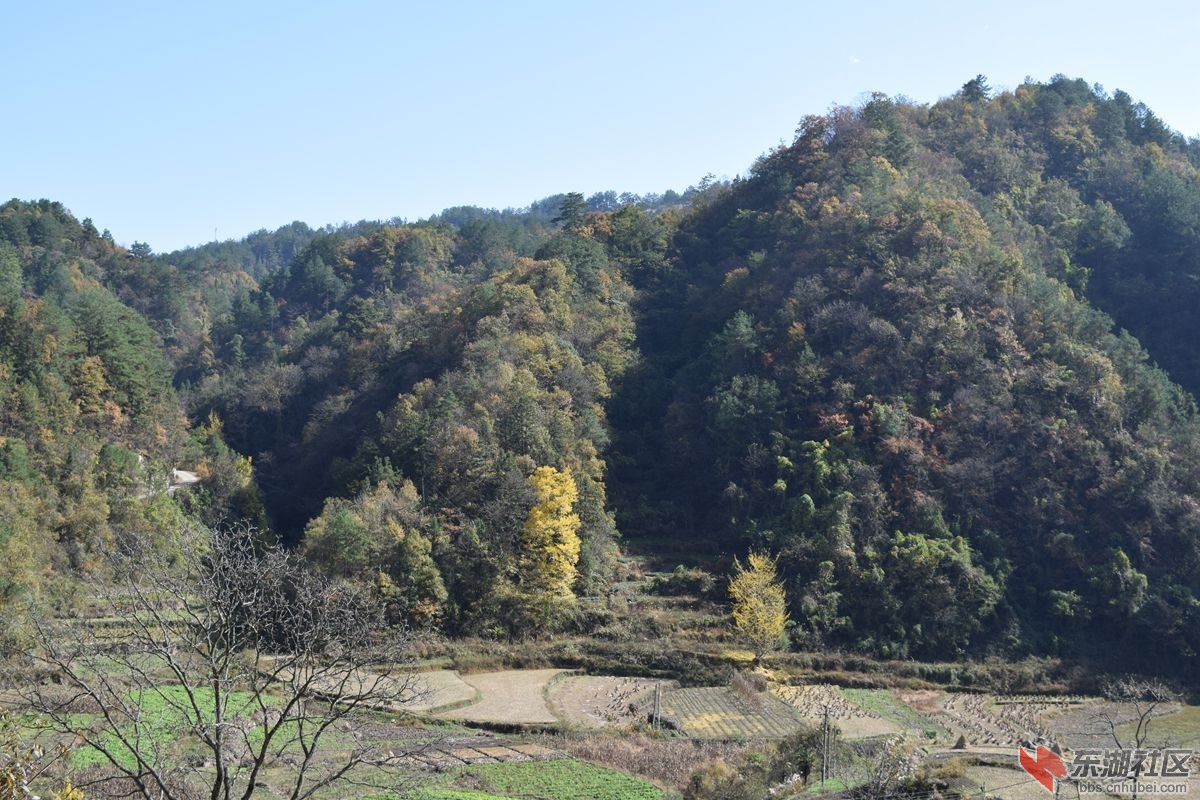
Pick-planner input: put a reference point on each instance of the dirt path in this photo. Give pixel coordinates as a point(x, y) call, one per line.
point(182, 479)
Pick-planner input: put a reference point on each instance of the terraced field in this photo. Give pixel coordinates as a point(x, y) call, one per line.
point(515, 697)
point(563, 779)
point(442, 690)
point(480, 748)
point(721, 713)
point(997, 720)
point(594, 701)
point(557, 778)
point(899, 709)
point(1006, 784)
point(854, 721)
point(936, 720)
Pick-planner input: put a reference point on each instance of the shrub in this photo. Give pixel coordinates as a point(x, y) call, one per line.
point(685, 581)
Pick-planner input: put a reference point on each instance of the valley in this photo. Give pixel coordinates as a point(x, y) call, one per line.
point(881, 459)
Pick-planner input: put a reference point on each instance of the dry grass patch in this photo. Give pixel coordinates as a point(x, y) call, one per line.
point(1180, 724)
point(1006, 784)
point(667, 761)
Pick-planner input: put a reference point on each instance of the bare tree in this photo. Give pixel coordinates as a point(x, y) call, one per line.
point(1135, 701)
point(885, 773)
point(220, 669)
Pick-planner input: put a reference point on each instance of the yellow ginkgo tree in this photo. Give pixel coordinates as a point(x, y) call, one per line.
point(759, 603)
point(550, 537)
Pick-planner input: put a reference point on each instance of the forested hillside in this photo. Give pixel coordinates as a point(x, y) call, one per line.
point(88, 423)
point(424, 390)
point(915, 354)
point(877, 357)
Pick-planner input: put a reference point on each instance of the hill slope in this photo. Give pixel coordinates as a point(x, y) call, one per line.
point(89, 424)
point(880, 371)
point(885, 356)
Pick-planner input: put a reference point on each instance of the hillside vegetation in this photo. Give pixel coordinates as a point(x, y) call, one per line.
point(88, 422)
point(877, 356)
point(935, 359)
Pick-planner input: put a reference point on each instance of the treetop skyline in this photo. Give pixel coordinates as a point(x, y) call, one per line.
point(178, 126)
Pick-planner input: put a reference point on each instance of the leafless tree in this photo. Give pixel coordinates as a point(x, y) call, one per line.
point(883, 775)
point(1134, 701)
point(23, 762)
point(220, 669)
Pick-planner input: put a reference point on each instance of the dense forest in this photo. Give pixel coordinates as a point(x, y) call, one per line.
point(935, 358)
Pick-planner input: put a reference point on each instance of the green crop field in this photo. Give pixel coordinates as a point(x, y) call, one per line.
point(556, 779)
point(165, 712)
point(460, 794)
point(563, 779)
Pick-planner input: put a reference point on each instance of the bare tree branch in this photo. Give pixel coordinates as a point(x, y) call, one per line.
point(1136, 701)
point(211, 668)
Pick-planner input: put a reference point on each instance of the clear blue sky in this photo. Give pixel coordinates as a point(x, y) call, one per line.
point(163, 121)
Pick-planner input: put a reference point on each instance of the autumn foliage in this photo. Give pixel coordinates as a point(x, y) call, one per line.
point(759, 603)
point(550, 538)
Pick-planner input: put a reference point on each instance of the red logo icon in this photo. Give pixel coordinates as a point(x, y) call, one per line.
point(1044, 768)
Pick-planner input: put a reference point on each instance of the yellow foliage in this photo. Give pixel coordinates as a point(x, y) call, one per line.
point(24, 557)
point(91, 385)
point(69, 792)
point(49, 348)
point(759, 603)
point(550, 538)
point(244, 468)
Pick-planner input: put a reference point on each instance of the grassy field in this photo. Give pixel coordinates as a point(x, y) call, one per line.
point(885, 703)
point(165, 713)
point(447, 794)
point(559, 779)
point(1181, 728)
point(564, 779)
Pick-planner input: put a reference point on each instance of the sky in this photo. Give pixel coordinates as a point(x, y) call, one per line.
point(176, 124)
